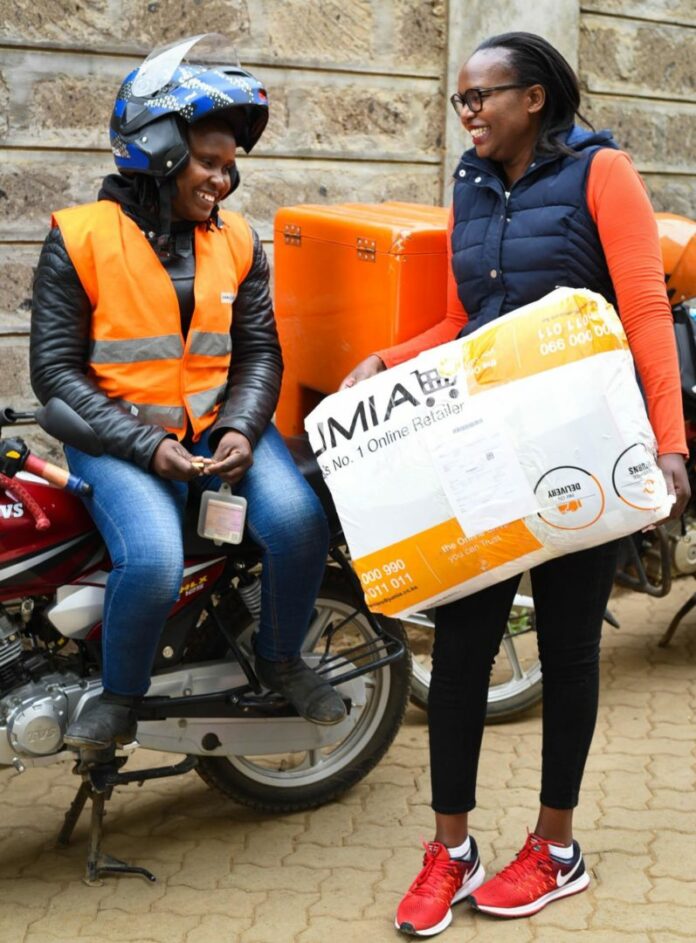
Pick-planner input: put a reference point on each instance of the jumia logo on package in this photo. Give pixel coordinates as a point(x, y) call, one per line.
point(367, 416)
point(11, 510)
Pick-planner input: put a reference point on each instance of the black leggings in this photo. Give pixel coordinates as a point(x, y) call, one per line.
point(570, 598)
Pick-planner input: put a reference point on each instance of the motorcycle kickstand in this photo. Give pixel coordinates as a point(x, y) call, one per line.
point(99, 776)
point(98, 862)
point(674, 624)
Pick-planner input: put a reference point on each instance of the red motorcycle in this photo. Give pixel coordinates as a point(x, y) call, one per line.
point(204, 701)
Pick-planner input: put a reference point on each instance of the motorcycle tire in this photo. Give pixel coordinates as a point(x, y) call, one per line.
point(291, 783)
point(507, 699)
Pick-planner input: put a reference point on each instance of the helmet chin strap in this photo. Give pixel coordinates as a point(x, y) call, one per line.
point(162, 242)
point(236, 180)
point(214, 218)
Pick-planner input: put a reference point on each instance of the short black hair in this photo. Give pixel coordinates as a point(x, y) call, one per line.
point(535, 61)
point(220, 122)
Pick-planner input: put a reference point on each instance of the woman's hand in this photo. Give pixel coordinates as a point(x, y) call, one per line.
point(673, 468)
point(366, 368)
point(233, 457)
point(172, 461)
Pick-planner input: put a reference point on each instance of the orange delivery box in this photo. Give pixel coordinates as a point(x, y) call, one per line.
point(351, 279)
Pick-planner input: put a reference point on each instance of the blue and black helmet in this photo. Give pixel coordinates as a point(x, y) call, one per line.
point(174, 85)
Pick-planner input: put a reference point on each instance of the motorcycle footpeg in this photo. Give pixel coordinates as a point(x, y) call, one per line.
point(89, 759)
point(270, 704)
point(127, 748)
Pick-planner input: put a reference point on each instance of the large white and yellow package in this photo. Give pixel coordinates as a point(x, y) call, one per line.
point(486, 456)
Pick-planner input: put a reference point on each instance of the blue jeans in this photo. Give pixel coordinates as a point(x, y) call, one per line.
point(140, 518)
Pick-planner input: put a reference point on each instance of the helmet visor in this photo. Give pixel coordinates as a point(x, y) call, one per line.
point(157, 70)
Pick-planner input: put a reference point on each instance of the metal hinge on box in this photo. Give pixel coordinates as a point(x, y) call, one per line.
point(292, 235)
point(367, 250)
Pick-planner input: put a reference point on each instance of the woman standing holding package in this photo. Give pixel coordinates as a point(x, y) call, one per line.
point(538, 203)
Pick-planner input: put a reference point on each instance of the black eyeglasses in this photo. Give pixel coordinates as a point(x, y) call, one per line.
point(473, 97)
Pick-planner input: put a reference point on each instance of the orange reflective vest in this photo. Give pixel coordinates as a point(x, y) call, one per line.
point(138, 354)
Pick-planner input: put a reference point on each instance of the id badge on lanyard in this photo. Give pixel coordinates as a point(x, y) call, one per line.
point(222, 516)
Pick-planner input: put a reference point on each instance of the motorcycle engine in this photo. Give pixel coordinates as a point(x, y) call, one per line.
point(38, 724)
point(683, 546)
point(681, 550)
point(34, 716)
point(34, 712)
point(10, 655)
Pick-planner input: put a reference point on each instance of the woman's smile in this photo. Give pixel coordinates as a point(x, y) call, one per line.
point(206, 197)
point(480, 133)
point(207, 178)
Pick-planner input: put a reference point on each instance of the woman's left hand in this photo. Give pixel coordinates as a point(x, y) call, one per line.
point(233, 457)
point(673, 468)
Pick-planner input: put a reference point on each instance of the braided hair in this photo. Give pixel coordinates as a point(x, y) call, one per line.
point(535, 61)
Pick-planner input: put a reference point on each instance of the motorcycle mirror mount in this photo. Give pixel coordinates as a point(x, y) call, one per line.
point(62, 422)
point(9, 417)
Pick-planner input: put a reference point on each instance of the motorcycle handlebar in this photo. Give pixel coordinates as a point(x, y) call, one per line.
point(57, 476)
point(19, 457)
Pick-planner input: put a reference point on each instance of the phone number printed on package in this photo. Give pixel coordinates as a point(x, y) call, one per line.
point(578, 330)
point(382, 581)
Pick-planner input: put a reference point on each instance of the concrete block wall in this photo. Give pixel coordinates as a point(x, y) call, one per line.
point(636, 65)
point(356, 97)
point(472, 22)
point(359, 104)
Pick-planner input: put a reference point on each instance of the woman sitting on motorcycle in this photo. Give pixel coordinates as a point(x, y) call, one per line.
point(152, 318)
point(538, 202)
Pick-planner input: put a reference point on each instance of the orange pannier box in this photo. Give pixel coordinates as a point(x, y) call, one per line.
point(351, 279)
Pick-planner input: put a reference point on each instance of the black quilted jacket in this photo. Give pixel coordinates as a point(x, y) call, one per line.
point(60, 338)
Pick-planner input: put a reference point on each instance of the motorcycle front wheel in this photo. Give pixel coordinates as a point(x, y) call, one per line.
point(291, 782)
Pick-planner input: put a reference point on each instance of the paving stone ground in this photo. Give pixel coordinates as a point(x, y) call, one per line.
point(228, 874)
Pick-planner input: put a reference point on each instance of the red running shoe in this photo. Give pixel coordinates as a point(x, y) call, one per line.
point(532, 881)
point(426, 908)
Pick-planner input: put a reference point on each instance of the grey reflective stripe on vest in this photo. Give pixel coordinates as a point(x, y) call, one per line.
point(162, 347)
point(201, 403)
point(210, 343)
point(170, 417)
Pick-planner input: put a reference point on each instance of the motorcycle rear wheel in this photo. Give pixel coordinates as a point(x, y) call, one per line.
point(516, 683)
point(294, 782)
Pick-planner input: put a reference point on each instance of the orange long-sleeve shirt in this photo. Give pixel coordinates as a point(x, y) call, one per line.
point(619, 205)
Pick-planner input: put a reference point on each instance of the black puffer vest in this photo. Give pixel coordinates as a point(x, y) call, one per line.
point(511, 249)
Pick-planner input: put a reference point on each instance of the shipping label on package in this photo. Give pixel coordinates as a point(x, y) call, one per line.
point(486, 456)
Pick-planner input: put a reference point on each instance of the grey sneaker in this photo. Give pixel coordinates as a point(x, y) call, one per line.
point(312, 697)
